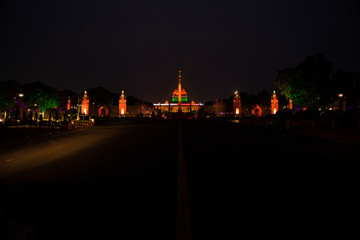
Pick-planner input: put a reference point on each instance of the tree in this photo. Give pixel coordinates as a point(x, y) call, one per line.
point(264, 98)
point(347, 83)
point(101, 96)
point(8, 93)
point(64, 96)
point(309, 83)
point(37, 93)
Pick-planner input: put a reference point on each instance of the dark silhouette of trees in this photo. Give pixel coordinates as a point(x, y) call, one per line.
point(101, 96)
point(9, 91)
point(347, 83)
point(64, 96)
point(263, 98)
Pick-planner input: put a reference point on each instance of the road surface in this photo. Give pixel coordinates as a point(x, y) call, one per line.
point(123, 181)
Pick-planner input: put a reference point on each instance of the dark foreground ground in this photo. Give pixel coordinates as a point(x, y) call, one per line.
point(120, 182)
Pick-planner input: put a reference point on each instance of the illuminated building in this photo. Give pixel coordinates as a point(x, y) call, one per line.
point(274, 103)
point(85, 105)
point(122, 104)
point(237, 105)
point(68, 104)
point(290, 104)
point(179, 102)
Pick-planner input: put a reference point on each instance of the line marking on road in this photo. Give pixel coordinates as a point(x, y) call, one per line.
point(183, 225)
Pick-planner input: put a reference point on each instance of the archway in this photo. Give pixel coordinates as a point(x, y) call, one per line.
point(256, 111)
point(103, 111)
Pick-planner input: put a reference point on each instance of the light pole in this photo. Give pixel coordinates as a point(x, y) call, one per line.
point(93, 109)
point(21, 95)
point(78, 109)
point(341, 103)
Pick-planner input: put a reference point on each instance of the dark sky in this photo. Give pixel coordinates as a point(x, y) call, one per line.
point(139, 46)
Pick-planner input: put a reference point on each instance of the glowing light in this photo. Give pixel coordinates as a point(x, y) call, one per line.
point(340, 95)
point(85, 104)
point(122, 104)
point(21, 94)
point(274, 103)
point(237, 111)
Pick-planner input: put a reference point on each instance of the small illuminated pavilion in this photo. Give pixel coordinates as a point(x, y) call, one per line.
point(179, 102)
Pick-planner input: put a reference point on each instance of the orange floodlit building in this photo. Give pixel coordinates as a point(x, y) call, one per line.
point(179, 102)
point(290, 104)
point(237, 105)
point(68, 104)
point(122, 105)
point(85, 105)
point(274, 104)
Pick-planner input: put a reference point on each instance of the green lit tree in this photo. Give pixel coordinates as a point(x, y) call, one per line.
point(41, 95)
point(309, 83)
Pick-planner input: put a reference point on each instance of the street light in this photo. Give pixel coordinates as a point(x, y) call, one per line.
point(342, 102)
point(21, 95)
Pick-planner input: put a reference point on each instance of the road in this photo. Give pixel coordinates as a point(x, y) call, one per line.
point(123, 181)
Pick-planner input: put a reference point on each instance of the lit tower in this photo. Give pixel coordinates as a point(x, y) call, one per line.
point(179, 86)
point(68, 104)
point(122, 104)
point(290, 104)
point(85, 105)
point(274, 104)
point(237, 104)
point(179, 89)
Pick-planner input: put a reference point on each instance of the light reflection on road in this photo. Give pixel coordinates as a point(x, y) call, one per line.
point(35, 154)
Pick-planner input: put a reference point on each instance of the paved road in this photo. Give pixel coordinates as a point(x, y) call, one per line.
point(122, 180)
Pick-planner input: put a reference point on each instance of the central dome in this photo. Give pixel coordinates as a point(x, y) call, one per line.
point(175, 96)
point(176, 92)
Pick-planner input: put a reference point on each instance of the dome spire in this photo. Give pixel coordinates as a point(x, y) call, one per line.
point(179, 87)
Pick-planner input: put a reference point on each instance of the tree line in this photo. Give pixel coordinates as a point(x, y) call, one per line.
point(42, 96)
point(312, 84)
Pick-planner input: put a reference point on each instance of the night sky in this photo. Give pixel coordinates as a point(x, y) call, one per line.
point(138, 46)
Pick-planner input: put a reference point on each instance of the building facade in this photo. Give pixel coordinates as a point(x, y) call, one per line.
point(179, 102)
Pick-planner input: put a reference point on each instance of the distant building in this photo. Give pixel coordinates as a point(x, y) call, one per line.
point(122, 105)
point(237, 105)
point(68, 104)
point(179, 102)
point(85, 105)
point(101, 110)
point(274, 104)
